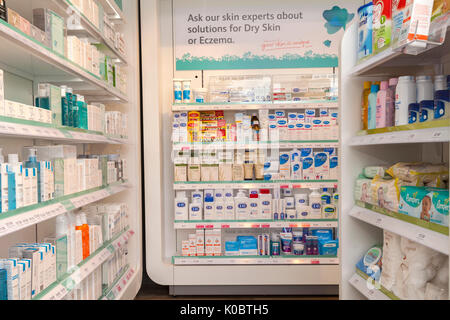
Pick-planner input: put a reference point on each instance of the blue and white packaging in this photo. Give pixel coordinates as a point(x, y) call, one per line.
point(248, 246)
point(413, 113)
point(321, 165)
point(334, 164)
point(280, 114)
point(285, 165)
point(310, 114)
point(365, 44)
point(296, 165)
point(307, 132)
point(282, 125)
point(292, 117)
point(441, 104)
point(231, 248)
point(426, 110)
point(307, 164)
point(370, 263)
point(328, 247)
point(12, 277)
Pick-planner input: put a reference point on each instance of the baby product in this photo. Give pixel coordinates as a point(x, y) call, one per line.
point(315, 203)
point(372, 111)
point(405, 94)
point(382, 16)
point(365, 46)
point(370, 263)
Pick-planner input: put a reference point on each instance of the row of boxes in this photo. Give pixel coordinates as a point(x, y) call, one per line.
point(203, 243)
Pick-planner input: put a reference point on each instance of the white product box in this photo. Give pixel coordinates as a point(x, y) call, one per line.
point(317, 133)
point(26, 264)
point(219, 209)
point(321, 165)
point(280, 114)
point(200, 242)
point(209, 242)
point(416, 23)
point(265, 206)
point(192, 245)
point(307, 132)
point(10, 108)
point(292, 131)
point(274, 131)
point(282, 129)
point(217, 236)
point(185, 248)
point(334, 164)
point(310, 114)
point(285, 165)
point(296, 165)
point(34, 256)
point(12, 278)
point(78, 247)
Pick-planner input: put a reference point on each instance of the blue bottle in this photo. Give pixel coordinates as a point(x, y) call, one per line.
point(3, 285)
point(12, 205)
point(33, 163)
point(64, 106)
point(372, 112)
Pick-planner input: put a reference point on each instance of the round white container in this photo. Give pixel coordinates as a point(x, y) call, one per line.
point(425, 88)
point(301, 200)
point(178, 90)
point(187, 91)
point(440, 82)
point(405, 94)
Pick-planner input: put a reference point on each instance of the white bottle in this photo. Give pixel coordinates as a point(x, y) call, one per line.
point(328, 211)
point(303, 212)
point(301, 200)
point(425, 89)
point(242, 205)
point(229, 209)
point(63, 230)
point(254, 205)
point(196, 209)
point(197, 195)
point(405, 94)
point(181, 207)
point(315, 203)
point(209, 206)
point(440, 82)
point(219, 209)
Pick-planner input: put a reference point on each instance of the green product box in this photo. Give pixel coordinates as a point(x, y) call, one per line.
point(55, 105)
point(52, 25)
point(103, 163)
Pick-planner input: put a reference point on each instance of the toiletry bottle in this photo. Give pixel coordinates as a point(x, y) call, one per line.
point(16, 167)
point(255, 127)
point(43, 99)
point(325, 196)
point(70, 101)
point(64, 106)
point(381, 106)
point(3, 183)
point(181, 207)
point(265, 205)
point(11, 187)
point(254, 205)
point(219, 208)
point(62, 242)
point(241, 203)
point(73, 111)
point(85, 230)
point(209, 206)
point(196, 209)
point(405, 94)
point(365, 104)
point(372, 117)
point(441, 98)
point(390, 102)
point(229, 208)
point(315, 203)
point(33, 163)
point(77, 111)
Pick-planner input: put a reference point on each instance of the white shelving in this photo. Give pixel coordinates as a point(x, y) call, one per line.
point(288, 105)
point(60, 289)
point(367, 289)
point(260, 145)
point(432, 239)
point(113, 11)
point(120, 285)
point(87, 28)
point(288, 184)
point(440, 134)
point(259, 224)
point(27, 217)
point(26, 56)
point(260, 260)
point(13, 129)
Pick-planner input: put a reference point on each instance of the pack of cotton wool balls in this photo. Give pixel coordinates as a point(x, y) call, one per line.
point(412, 271)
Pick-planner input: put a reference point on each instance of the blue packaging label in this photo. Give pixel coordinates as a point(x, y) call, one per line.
point(306, 152)
point(320, 159)
point(186, 94)
point(284, 158)
point(333, 162)
point(307, 163)
point(181, 205)
point(178, 95)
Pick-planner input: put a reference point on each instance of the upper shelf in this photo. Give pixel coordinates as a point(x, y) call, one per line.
point(310, 104)
point(113, 11)
point(395, 58)
point(88, 29)
point(27, 57)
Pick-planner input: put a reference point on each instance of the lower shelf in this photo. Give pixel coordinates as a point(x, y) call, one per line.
point(256, 224)
point(255, 260)
point(59, 289)
point(121, 283)
point(402, 225)
point(369, 289)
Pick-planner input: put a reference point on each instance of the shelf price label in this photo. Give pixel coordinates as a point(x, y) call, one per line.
point(199, 226)
point(255, 225)
point(314, 261)
point(421, 237)
point(225, 226)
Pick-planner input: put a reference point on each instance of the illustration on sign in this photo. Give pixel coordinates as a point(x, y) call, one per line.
point(300, 34)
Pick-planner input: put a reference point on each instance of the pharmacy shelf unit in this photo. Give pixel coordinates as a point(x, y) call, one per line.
point(26, 57)
point(361, 228)
point(27, 63)
point(113, 11)
point(256, 224)
point(367, 288)
point(256, 260)
point(260, 145)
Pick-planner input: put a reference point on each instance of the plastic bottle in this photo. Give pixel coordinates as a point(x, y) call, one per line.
point(209, 207)
point(15, 177)
point(365, 104)
point(254, 206)
point(255, 127)
point(325, 196)
point(81, 224)
point(265, 205)
point(441, 98)
point(242, 205)
point(181, 207)
point(381, 108)
point(70, 101)
point(425, 89)
point(196, 209)
point(315, 203)
point(372, 111)
point(64, 106)
point(3, 183)
point(62, 230)
point(229, 209)
point(33, 163)
point(390, 102)
point(405, 94)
